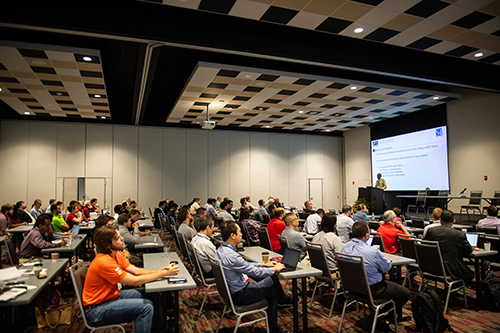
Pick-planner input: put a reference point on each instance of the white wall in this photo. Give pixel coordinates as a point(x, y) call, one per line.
point(151, 163)
point(357, 161)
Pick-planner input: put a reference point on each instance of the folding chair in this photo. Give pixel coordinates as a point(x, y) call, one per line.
point(208, 283)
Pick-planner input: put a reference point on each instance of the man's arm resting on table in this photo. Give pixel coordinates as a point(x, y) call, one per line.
point(138, 276)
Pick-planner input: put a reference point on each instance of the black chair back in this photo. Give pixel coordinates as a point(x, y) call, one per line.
point(184, 248)
point(318, 258)
point(265, 242)
point(475, 198)
point(220, 281)
point(374, 225)
point(496, 202)
point(488, 231)
point(418, 222)
point(11, 251)
point(429, 258)
point(265, 219)
point(421, 196)
point(283, 243)
point(377, 240)
point(353, 276)
point(407, 246)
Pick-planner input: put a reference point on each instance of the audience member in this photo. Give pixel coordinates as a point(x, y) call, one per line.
point(223, 214)
point(453, 245)
point(126, 204)
point(201, 213)
point(171, 212)
point(186, 224)
point(313, 222)
point(74, 216)
point(330, 242)
point(271, 209)
point(133, 204)
point(95, 206)
point(237, 270)
point(277, 203)
point(376, 264)
point(130, 238)
point(86, 209)
point(294, 238)
point(275, 228)
point(160, 210)
point(118, 209)
point(390, 230)
point(135, 216)
point(436, 220)
point(22, 214)
point(103, 220)
point(203, 246)
point(397, 211)
point(251, 226)
point(261, 211)
point(105, 302)
point(39, 238)
point(58, 223)
point(308, 207)
point(194, 206)
point(51, 202)
point(210, 207)
point(344, 223)
point(243, 203)
point(15, 218)
point(249, 205)
point(36, 209)
point(5, 213)
point(491, 220)
point(360, 213)
point(217, 204)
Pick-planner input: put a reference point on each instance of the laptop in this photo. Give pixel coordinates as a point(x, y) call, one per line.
point(76, 229)
point(290, 260)
point(472, 239)
point(370, 240)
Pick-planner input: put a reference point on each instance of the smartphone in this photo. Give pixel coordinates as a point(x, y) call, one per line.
point(177, 280)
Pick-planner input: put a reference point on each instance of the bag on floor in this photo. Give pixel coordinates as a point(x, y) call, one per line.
point(490, 291)
point(54, 315)
point(428, 312)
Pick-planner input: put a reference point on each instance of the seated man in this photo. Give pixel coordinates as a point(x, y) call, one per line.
point(203, 245)
point(22, 214)
point(251, 226)
point(130, 238)
point(39, 238)
point(172, 210)
point(390, 230)
point(36, 210)
point(329, 240)
point(436, 220)
point(103, 220)
point(135, 215)
point(210, 207)
point(308, 207)
point(453, 245)
point(278, 203)
point(186, 224)
point(360, 213)
point(94, 206)
point(201, 213)
point(223, 214)
point(294, 238)
point(5, 213)
point(160, 210)
point(243, 290)
point(491, 220)
point(105, 303)
point(51, 202)
point(194, 206)
point(376, 264)
point(311, 227)
point(275, 228)
point(262, 210)
point(344, 223)
point(58, 223)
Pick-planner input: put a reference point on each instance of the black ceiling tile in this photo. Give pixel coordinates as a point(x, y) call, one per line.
point(426, 8)
point(205, 95)
point(313, 113)
point(359, 116)
point(57, 83)
point(400, 113)
point(228, 73)
point(44, 70)
point(374, 101)
point(472, 20)
point(288, 110)
point(423, 96)
point(364, 123)
point(423, 106)
point(369, 89)
point(288, 123)
point(8, 80)
point(92, 86)
point(275, 116)
point(266, 121)
point(217, 6)
point(230, 106)
point(33, 53)
point(36, 107)
point(347, 98)
point(241, 98)
point(381, 34)
point(253, 89)
point(241, 119)
point(195, 111)
point(286, 92)
point(378, 110)
point(278, 127)
point(217, 85)
point(344, 121)
point(18, 91)
point(397, 93)
point(261, 108)
point(216, 118)
point(184, 122)
point(90, 74)
point(267, 77)
point(491, 58)
point(90, 59)
point(190, 117)
point(304, 82)
point(64, 102)
point(278, 15)
point(328, 106)
point(496, 33)
point(201, 103)
point(382, 118)
point(301, 103)
point(461, 51)
point(424, 43)
point(272, 101)
point(248, 114)
point(318, 95)
point(353, 108)
point(399, 104)
point(370, 2)
point(333, 25)
point(224, 112)
point(99, 104)
point(337, 85)
point(256, 126)
point(322, 119)
point(43, 114)
point(33, 100)
point(70, 109)
point(300, 118)
point(2, 67)
point(73, 116)
point(309, 124)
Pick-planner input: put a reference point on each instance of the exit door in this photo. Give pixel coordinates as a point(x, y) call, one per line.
point(316, 192)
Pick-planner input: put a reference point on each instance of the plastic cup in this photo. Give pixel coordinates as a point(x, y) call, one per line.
point(487, 246)
point(265, 256)
point(55, 256)
point(464, 230)
point(37, 268)
point(155, 238)
point(165, 252)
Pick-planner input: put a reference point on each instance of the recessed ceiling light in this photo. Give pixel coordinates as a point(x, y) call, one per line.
point(39, 62)
point(102, 117)
point(59, 94)
point(353, 88)
point(0, 89)
point(267, 126)
point(479, 54)
point(337, 115)
point(301, 111)
point(87, 58)
point(358, 30)
point(261, 109)
point(328, 130)
point(97, 96)
point(248, 75)
point(435, 97)
point(221, 101)
point(27, 112)
point(216, 104)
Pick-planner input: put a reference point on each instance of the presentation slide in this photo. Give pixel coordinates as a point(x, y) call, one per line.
point(412, 161)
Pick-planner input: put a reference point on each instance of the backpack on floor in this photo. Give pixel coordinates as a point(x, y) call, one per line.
point(428, 312)
point(490, 291)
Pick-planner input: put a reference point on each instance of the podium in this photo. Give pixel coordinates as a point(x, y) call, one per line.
point(375, 195)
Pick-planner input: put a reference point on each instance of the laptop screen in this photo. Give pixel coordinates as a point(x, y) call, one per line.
point(370, 240)
point(290, 258)
point(76, 229)
point(472, 238)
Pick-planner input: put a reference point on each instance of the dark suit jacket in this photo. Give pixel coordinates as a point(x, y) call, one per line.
point(454, 246)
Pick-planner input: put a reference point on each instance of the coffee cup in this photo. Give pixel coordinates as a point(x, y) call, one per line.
point(464, 230)
point(55, 255)
point(487, 246)
point(37, 268)
point(265, 256)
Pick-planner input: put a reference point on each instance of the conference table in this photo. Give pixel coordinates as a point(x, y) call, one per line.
point(147, 242)
point(398, 262)
point(158, 261)
point(478, 257)
point(404, 198)
point(254, 253)
point(68, 249)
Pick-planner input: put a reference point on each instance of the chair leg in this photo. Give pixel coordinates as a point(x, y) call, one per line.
point(204, 300)
point(343, 314)
point(375, 319)
point(314, 292)
point(447, 300)
point(395, 319)
point(465, 296)
point(221, 318)
point(333, 301)
point(196, 297)
point(236, 324)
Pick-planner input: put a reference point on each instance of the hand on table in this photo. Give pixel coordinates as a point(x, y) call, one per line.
point(172, 269)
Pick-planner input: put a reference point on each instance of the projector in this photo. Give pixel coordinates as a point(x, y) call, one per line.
point(208, 124)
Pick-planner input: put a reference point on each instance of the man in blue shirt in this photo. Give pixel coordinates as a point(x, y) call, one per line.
point(243, 290)
point(376, 264)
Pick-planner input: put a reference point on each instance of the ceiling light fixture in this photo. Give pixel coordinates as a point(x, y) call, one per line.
point(59, 94)
point(337, 115)
point(0, 89)
point(248, 75)
point(267, 126)
point(435, 97)
point(479, 54)
point(27, 112)
point(353, 88)
point(301, 111)
point(358, 30)
point(97, 96)
point(102, 117)
point(87, 59)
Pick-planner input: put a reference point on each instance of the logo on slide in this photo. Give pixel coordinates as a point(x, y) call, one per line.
point(375, 143)
point(439, 132)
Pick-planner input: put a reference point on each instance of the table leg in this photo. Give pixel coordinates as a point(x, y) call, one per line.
point(478, 291)
point(398, 273)
point(295, 306)
point(305, 325)
point(176, 311)
point(164, 307)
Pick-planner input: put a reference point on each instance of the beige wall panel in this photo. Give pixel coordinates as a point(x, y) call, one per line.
point(196, 165)
point(239, 164)
point(218, 164)
point(297, 170)
point(150, 175)
point(259, 167)
point(357, 161)
point(315, 157)
point(125, 175)
point(174, 165)
point(333, 168)
point(70, 150)
point(99, 152)
point(278, 168)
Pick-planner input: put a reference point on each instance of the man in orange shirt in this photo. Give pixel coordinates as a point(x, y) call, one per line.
point(390, 231)
point(275, 228)
point(102, 298)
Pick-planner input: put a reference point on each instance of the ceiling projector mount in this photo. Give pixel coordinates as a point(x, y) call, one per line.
point(207, 124)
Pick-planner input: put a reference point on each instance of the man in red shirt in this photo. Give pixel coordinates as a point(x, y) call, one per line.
point(275, 228)
point(104, 301)
point(390, 231)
